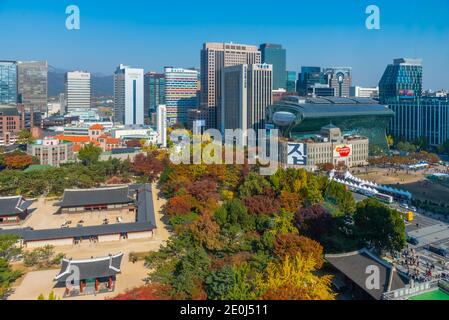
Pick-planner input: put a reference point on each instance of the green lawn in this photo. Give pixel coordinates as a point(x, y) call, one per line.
point(433, 295)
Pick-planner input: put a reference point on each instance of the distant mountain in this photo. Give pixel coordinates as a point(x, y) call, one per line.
point(101, 85)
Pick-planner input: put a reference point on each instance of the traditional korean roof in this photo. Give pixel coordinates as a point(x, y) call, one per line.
point(11, 206)
point(90, 268)
point(145, 221)
point(98, 196)
point(354, 265)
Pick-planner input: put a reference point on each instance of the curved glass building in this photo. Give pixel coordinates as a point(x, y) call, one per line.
point(298, 117)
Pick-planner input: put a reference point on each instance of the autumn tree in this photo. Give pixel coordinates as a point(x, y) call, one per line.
point(294, 278)
point(206, 232)
point(153, 291)
point(148, 166)
point(18, 161)
point(180, 205)
point(313, 221)
point(292, 244)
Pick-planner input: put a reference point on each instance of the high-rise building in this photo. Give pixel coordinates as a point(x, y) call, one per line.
point(291, 81)
point(162, 125)
point(181, 86)
point(308, 77)
point(128, 95)
point(402, 79)
point(275, 55)
point(154, 92)
point(364, 92)
point(32, 84)
point(77, 91)
point(246, 94)
point(339, 78)
point(8, 82)
point(416, 117)
point(215, 57)
point(10, 124)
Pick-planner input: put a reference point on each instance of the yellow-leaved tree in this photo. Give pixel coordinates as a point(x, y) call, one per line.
point(293, 278)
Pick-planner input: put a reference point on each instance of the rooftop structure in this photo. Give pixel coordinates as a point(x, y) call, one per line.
point(298, 117)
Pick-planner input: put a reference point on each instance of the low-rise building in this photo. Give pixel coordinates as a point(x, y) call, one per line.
point(87, 200)
point(51, 151)
point(95, 275)
point(135, 133)
point(330, 146)
point(13, 210)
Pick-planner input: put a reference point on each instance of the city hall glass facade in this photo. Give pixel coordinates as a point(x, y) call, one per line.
point(354, 116)
point(8, 82)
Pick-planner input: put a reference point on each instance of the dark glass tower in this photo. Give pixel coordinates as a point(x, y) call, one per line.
point(275, 55)
point(309, 77)
point(154, 92)
point(401, 80)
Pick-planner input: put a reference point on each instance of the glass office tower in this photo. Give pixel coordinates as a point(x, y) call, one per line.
point(8, 82)
point(416, 117)
point(309, 77)
point(291, 81)
point(401, 80)
point(275, 55)
point(154, 95)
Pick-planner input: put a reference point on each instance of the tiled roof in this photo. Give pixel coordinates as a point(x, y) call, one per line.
point(13, 205)
point(76, 139)
point(354, 265)
point(90, 268)
point(99, 196)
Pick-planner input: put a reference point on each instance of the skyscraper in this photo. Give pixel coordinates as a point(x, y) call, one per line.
point(291, 81)
point(247, 92)
point(215, 57)
point(403, 78)
point(309, 77)
point(416, 117)
point(8, 82)
point(77, 92)
point(154, 92)
point(32, 84)
point(128, 95)
point(162, 125)
point(275, 55)
point(181, 86)
point(339, 78)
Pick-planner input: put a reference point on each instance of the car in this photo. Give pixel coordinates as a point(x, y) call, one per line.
point(413, 209)
point(412, 240)
point(404, 205)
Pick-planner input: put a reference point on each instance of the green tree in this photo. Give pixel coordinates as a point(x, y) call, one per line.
point(379, 226)
point(89, 153)
point(8, 252)
point(25, 137)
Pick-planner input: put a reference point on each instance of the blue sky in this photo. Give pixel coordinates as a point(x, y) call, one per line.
point(152, 34)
